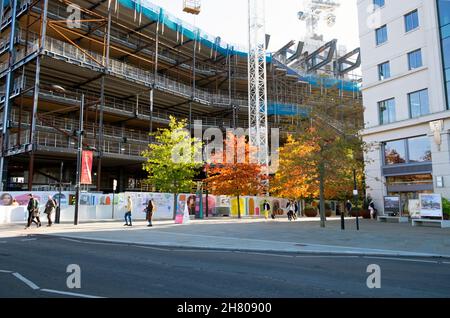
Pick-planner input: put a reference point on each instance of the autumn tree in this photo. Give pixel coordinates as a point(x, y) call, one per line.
point(232, 172)
point(172, 161)
point(318, 162)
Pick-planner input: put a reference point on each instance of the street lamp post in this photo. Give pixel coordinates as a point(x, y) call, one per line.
point(79, 156)
point(58, 209)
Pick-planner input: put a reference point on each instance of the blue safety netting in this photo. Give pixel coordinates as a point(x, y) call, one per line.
point(156, 13)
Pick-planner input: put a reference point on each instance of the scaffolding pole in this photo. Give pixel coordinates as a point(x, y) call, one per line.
point(6, 107)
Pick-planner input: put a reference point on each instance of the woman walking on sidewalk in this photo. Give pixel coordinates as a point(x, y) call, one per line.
point(129, 208)
point(149, 210)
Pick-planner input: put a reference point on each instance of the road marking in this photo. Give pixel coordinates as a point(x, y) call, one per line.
point(264, 254)
point(3, 242)
point(327, 256)
point(446, 262)
point(69, 294)
point(94, 243)
point(28, 239)
point(26, 281)
point(152, 248)
point(402, 259)
point(3, 271)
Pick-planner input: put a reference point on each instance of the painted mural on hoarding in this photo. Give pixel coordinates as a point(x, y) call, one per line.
point(163, 203)
point(193, 203)
point(22, 198)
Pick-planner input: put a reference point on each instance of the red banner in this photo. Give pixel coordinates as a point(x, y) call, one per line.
point(86, 167)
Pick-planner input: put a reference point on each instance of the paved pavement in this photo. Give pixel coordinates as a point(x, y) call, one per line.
point(35, 266)
point(303, 236)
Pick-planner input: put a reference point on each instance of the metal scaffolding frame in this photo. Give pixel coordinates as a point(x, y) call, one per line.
point(179, 75)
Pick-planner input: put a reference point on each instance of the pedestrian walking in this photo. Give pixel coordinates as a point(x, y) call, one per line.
point(372, 210)
point(149, 210)
point(266, 209)
point(33, 212)
point(50, 207)
point(129, 209)
point(290, 207)
point(349, 207)
point(296, 210)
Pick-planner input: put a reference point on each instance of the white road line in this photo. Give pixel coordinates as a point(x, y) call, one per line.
point(69, 294)
point(26, 281)
point(3, 271)
point(94, 243)
point(152, 248)
point(445, 262)
point(264, 254)
point(326, 256)
point(402, 259)
point(3, 242)
point(28, 239)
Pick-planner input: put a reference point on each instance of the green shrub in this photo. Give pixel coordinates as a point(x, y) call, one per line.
point(446, 206)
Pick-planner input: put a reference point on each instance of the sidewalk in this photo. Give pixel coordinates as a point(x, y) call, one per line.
point(303, 236)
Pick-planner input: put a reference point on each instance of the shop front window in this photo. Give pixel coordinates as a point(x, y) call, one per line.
point(395, 152)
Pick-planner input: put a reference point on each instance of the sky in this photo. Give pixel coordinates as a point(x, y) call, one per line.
point(228, 19)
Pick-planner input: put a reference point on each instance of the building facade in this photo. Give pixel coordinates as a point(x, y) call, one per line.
point(405, 49)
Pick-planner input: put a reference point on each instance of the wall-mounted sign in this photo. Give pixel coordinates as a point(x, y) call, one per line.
point(392, 205)
point(431, 205)
point(439, 182)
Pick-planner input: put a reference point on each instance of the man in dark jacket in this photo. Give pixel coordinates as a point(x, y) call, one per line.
point(349, 207)
point(50, 207)
point(33, 212)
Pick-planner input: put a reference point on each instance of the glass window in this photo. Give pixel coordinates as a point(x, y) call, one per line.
point(444, 12)
point(444, 22)
point(415, 59)
point(378, 3)
point(381, 35)
point(418, 103)
point(384, 71)
point(387, 111)
point(419, 149)
point(395, 152)
point(412, 21)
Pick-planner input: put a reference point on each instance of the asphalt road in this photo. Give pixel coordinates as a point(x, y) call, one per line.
point(36, 266)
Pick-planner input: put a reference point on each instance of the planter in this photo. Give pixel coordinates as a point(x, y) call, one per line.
point(328, 213)
point(311, 212)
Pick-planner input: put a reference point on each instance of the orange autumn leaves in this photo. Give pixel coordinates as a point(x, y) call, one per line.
point(298, 173)
point(231, 172)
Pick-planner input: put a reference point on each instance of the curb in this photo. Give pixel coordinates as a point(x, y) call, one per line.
point(349, 252)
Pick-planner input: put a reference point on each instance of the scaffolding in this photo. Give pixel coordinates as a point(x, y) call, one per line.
point(135, 73)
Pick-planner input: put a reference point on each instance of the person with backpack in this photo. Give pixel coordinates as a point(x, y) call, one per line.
point(129, 209)
point(50, 207)
point(33, 212)
point(149, 210)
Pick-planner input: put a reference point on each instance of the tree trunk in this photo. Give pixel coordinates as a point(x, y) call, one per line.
point(322, 190)
point(239, 207)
